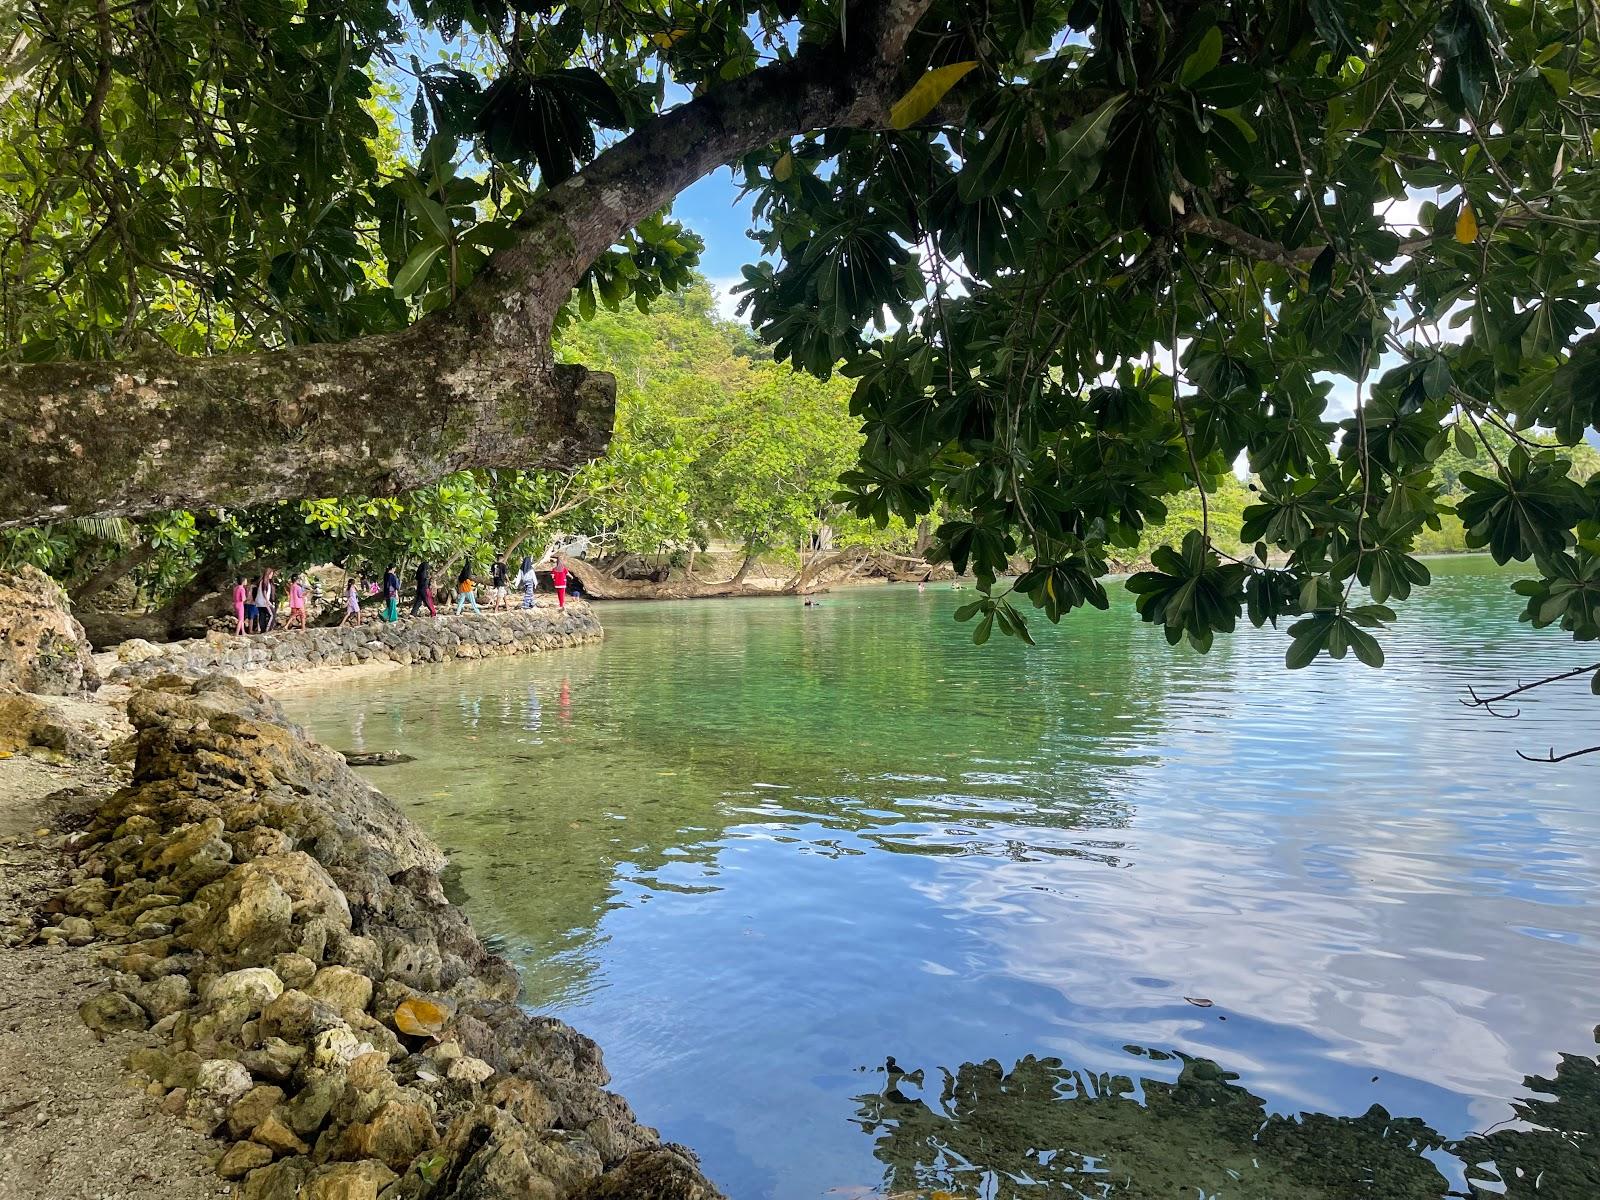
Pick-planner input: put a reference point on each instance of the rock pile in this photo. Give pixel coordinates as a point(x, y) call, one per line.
point(321, 1006)
point(42, 647)
point(520, 631)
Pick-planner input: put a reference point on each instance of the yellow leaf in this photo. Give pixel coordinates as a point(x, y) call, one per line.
point(784, 167)
point(665, 40)
point(1466, 226)
point(419, 1017)
point(925, 93)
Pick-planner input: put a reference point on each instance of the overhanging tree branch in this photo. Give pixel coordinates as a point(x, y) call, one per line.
point(471, 385)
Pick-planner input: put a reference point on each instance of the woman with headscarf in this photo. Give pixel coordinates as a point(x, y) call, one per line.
point(391, 594)
point(528, 580)
point(424, 590)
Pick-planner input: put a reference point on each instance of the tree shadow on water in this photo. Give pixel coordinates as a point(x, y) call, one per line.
point(1046, 1129)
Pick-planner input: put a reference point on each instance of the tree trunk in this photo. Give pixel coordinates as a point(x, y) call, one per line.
point(107, 575)
point(688, 568)
point(373, 417)
point(744, 567)
point(471, 385)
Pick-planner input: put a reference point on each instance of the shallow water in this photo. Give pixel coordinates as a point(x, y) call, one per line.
point(756, 851)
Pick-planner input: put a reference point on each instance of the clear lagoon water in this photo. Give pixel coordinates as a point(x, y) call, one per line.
point(856, 908)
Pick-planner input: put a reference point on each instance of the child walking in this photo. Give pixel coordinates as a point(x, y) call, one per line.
point(352, 603)
point(240, 589)
point(558, 577)
point(297, 603)
point(464, 591)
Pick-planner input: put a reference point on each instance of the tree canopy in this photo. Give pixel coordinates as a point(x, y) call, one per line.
point(1075, 256)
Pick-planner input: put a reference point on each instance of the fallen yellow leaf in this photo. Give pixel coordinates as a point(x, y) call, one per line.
point(420, 1017)
point(925, 93)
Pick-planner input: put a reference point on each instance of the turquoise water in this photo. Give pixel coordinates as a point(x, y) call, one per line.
point(855, 907)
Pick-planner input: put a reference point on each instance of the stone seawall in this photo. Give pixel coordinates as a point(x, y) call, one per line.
point(410, 640)
point(318, 1004)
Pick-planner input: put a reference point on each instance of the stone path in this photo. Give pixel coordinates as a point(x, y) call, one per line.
point(74, 1123)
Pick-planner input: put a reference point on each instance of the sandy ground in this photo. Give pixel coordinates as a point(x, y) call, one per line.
point(74, 1124)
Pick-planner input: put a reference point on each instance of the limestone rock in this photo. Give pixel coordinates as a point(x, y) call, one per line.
point(663, 1173)
point(345, 990)
point(165, 995)
point(242, 1158)
point(28, 722)
point(283, 1180)
point(252, 988)
point(395, 1134)
point(255, 908)
point(218, 1084)
point(307, 1111)
point(42, 647)
point(469, 1070)
point(111, 1012)
point(77, 930)
point(296, 970)
point(349, 1181)
point(274, 1133)
point(337, 1046)
point(274, 1059)
point(252, 1108)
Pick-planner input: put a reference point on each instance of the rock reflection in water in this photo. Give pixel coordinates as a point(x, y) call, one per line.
point(1044, 1128)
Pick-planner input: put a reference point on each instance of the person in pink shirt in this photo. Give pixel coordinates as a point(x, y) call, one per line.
point(297, 603)
point(239, 591)
point(558, 577)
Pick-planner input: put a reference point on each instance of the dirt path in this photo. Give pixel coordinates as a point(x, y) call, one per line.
point(74, 1123)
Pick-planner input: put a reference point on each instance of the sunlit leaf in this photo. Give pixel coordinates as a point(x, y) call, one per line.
point(925, 93)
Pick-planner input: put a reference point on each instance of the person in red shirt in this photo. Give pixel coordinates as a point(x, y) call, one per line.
point(558, 577)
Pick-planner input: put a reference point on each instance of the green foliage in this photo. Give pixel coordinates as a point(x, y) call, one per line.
point(712, 441)
point(1110, 187)
point(1217, 172)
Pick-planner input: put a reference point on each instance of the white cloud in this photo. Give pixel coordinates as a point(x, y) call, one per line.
point(722, 287)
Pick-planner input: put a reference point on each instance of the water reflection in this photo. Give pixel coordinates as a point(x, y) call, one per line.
point(1044, 1128)
point(743, 843)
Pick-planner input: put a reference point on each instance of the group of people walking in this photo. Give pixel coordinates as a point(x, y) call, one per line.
point(502, 585)
point(255, 600)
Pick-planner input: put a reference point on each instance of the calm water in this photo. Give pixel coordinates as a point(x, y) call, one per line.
point(758, 852)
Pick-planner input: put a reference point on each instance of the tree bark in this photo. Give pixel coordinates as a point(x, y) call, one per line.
point(91, 587)
point(744, 567)
point(471, 385)
point(371, 417)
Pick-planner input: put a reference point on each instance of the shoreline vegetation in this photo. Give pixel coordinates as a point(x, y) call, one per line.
point(274, 959)
point(675, 509)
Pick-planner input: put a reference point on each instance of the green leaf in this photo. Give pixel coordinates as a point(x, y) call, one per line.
point(1204, 57)
point(414, 272)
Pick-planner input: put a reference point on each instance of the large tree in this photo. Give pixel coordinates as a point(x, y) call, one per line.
point(1077, 255)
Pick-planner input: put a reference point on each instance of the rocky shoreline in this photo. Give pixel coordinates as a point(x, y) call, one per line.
point(305, 1014)
point(316, 1002)
point(412, 640)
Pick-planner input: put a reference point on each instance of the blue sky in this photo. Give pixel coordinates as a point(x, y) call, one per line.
point(714, 209)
